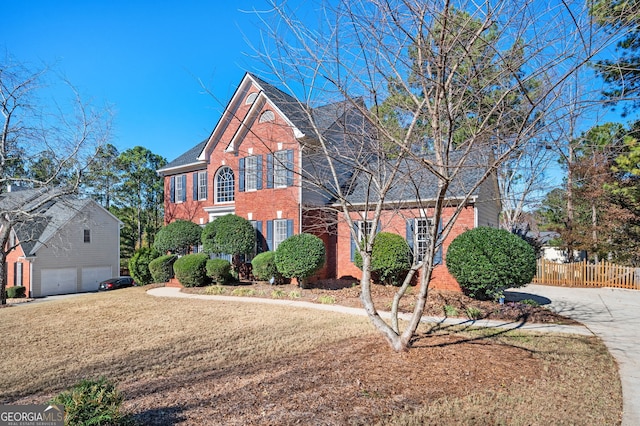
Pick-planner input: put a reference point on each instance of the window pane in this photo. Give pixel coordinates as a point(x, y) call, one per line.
point(224, 185)
point(250, 171)
point(279, 169)
point(202, 185)
point(179, 189)
point(279, 232)
point(421, 238)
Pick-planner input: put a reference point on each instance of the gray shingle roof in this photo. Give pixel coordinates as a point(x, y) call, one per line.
point(43, 222)
point(415, 182)
point(189, 157)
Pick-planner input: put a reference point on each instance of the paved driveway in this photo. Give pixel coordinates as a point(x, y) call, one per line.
point(614, 316)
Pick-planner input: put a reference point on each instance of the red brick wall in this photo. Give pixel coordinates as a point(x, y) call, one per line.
point(17, 255)
point(394, 221)
point(259, 205)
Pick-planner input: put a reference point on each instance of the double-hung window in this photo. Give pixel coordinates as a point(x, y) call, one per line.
point(421, 246)
point(201, 185)
point(251, 173)
point(280, 169)
point(419, 239)
point(279, 232)
point(362, 229)
point(180, 189)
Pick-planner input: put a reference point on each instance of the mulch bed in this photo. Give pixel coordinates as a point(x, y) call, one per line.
point(347, 293)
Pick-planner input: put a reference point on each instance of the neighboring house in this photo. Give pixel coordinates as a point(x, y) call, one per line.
point(252, 164)
point(68, 245)
point(553, 253)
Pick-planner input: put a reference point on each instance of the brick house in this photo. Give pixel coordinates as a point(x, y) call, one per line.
point(252, 166)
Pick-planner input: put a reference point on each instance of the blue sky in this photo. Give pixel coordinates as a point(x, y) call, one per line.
point(144, 58)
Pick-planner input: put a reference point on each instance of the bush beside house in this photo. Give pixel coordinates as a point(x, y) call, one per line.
point(486, 261)
point(161, 268)
point(178, 237)
point(139, 265)
point(264, 267)
point(390, 258)
point(219, 270)
point(191, 270)
point(300, 256)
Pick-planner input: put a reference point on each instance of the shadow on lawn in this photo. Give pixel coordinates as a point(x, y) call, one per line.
point(517, 296)
point(160, 416)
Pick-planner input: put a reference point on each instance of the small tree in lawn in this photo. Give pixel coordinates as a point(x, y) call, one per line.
point(428, 92)
point(300, 256)
point(178, 237)
point(229, 234)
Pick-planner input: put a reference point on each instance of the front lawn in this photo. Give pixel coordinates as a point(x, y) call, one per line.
point(201, 362)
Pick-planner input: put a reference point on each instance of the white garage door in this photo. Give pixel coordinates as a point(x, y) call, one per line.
point(58, 281)
point(92, 276)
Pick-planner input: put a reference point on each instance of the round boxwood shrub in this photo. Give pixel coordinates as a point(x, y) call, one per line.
point(191, 270)
point(228, 234)
point(139, 265)
point(390, 258)
point(219, 270)
point(161, 268)
point(486, 261)
point(177, 237)
point(264, 267)
point(300, 256)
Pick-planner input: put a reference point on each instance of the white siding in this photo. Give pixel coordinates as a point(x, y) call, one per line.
point(488, 204)
point(67, 248)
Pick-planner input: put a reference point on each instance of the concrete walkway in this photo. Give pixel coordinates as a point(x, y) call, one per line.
point(611, 314)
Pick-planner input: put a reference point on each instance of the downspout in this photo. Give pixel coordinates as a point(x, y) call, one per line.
point(299, 188)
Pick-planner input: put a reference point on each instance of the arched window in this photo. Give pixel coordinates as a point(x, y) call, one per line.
point(251, 98)
point(224, 185)
point(267, 116)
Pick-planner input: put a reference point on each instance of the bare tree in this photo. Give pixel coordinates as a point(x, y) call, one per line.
point(435, 89)
point(58, 144)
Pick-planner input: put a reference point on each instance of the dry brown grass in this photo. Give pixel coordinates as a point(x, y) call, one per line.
point(200, 362)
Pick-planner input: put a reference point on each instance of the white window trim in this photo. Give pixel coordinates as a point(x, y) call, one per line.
point(216, 187)
point(179, 190)
point(279, 225)
point(279, 169)
point(251, 173)
point(202, 185)
point(418, 239)
point(362, 229)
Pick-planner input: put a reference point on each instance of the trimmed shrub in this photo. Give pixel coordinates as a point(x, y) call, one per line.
point(177, 237)
point(229, 234)
point(219, 270)
point(264, 267)
point(92, 402)
point(139, 265)
point(300, 256)
point(16, 292)
point(161, 268)
point(191, 270)
point(486, 261)
point(390, 258)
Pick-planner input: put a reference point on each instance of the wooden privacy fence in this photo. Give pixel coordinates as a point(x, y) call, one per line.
point(584, 274)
